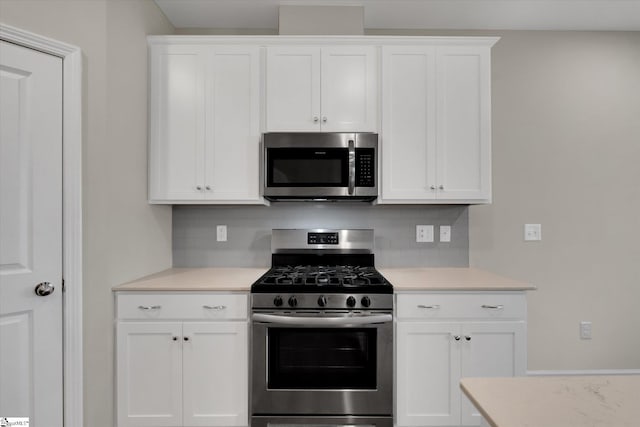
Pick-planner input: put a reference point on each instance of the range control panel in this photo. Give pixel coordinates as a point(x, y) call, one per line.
point(322, 238)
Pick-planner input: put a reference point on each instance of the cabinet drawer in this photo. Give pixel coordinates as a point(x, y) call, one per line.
point(469, 305)
point(208, 306)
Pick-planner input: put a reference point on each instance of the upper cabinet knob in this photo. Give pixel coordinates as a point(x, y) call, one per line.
point(324, 119)
point(316, 119)
point(441, 187)
point(199, 187)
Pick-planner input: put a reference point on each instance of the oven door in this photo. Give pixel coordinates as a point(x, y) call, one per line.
point(322, 364)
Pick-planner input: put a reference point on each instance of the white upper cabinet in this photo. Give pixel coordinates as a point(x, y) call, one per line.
point(436, 124)
point(204, 124)
point(330, 89)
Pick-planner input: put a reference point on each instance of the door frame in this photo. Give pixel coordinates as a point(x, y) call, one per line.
point(71, 211)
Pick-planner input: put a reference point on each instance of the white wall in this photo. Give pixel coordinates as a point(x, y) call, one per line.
point(566, 153)
point(124, 237)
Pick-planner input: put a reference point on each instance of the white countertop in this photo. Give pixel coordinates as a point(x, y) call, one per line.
point(402, 279)
point(196, 279)
point(450, 279)
point(576, 401)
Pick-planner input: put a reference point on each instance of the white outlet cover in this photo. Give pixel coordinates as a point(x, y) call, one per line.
point(424, 233)
point(532, 232)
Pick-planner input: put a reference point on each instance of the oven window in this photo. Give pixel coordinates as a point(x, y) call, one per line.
point(322, 358)
point(307, 167)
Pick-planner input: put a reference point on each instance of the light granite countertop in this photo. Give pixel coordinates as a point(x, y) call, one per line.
point(450, 279)
point(402, 279)
point(196, 279)
point(575, 401)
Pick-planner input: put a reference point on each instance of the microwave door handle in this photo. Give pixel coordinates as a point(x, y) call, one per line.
point(352, 167)
point(321, 321)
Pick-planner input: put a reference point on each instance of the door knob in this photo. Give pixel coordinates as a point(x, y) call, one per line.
point(44, 288)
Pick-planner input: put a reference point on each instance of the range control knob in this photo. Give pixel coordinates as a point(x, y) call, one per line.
point(293, 301)
point(277, 301)
point(365, 301)
point(351, 302)
point(322, 301)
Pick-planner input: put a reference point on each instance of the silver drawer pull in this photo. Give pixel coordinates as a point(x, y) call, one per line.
point(215, 307)
point(429, 307)
point(149, 307)
point(493, 307)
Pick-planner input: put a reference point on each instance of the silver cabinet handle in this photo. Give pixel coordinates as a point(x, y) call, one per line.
point(315, 119)
point(199, 187)
point(493, 307)
point(324, 119)
point(457, 337)
point(186, 338)
point(433, 187)
point(441, 187)
point(44, 288)
point(149, 307)
point(208, 188)
point(467, 337)
point(215, 307)
point(174, 338)
point(429, 307)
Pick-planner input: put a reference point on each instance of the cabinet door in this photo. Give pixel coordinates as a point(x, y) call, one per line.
point(491, 349)
point(216, 374)
point(293, 89)
point(408, 124)
point(428, 372)
point(232, 125)
point(177, 115)
point(464, 123)
point(349, 89)
point(149, 374)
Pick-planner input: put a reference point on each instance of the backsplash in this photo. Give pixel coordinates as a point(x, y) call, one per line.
point(249, 232)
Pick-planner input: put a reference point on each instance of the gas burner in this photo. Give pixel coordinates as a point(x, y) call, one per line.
point(299, 265)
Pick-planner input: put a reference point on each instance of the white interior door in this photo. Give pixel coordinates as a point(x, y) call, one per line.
point(30, 235)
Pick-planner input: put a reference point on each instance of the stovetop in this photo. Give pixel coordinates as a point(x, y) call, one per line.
point(322, 269)
point(322, 278)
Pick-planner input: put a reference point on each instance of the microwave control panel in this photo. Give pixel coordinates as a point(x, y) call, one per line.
point(365, 167)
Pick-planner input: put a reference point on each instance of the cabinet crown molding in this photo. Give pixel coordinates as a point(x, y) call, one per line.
point(325, 40)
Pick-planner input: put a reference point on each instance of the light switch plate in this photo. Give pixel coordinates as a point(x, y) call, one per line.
point(585, 330)
point(221, 233)
point(424, 233)
point(445, 233)
point(532, 232)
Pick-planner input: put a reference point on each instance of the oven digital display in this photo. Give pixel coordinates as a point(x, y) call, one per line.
point(322, 238)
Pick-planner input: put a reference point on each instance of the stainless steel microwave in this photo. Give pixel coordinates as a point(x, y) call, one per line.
point(320, 166)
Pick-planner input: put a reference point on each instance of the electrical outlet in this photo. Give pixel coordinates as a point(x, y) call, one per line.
point(585, 330)
point(424, 233)
point(221, 233)
point(532, 232)
point(445, 233)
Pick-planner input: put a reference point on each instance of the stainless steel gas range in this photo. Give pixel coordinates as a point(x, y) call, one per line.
point(322, 333)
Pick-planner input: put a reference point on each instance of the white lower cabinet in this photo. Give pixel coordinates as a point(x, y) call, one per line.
point(182, 373)
point(442, 338)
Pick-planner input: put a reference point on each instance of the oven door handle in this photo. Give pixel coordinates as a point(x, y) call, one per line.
point(322, 321)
